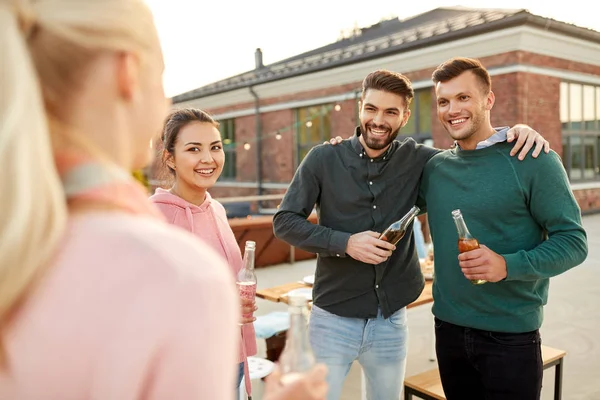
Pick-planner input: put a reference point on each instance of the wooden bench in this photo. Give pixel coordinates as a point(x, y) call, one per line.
point(428, 385)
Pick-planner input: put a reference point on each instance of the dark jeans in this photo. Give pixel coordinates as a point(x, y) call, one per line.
point(484, 365)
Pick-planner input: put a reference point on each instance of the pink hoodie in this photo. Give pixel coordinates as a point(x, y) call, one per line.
point(209, 222)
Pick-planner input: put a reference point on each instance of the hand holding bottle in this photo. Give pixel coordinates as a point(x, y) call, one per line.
point(482, 264)
point(246, 283)
point(368, 248)
point(309, 386)
point(466, 243)
point(396, 231)
point(248, 307)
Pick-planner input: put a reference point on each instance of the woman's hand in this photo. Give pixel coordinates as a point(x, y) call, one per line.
point(248, 308)
point(309, 386)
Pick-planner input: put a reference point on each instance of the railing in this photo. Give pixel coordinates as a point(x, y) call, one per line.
point(240, 199)
point(259, 228)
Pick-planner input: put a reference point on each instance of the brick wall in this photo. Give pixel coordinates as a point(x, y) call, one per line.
point(588, 199)
point(344, 121)
point(539, 106)
point(277, 155)
point(246, 165)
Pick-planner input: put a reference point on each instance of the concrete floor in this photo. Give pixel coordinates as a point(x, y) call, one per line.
point(572, 323)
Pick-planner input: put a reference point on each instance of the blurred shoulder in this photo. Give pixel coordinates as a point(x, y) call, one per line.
point(144, 244)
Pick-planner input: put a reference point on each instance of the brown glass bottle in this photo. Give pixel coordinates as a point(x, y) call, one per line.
point(397, 230)
point(466, 242)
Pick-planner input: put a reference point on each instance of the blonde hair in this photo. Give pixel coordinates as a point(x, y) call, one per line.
point(46, 48)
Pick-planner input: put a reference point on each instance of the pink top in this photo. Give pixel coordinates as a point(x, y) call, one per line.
point(121, 315)
point(209, 222)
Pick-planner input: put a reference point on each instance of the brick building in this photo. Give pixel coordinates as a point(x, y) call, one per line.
point(545, 73)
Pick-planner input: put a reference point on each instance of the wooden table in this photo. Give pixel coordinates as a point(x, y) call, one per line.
point(277, 294)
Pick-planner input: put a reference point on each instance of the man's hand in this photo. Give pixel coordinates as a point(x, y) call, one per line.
point(247, 307)
point(526, 138)
point(334, 141)
point(484, 264)
point(366, 247)
point(309, 386)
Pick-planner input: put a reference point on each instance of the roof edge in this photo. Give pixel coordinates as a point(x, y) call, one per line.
point(521, 18)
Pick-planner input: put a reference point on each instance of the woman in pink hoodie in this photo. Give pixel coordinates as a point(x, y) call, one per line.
point(193, 154)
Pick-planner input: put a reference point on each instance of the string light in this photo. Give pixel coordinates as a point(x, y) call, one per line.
point(278, 134)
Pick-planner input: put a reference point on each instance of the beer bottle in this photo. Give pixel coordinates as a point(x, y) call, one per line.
point(297, 356)
point(397, 230)
point(466, 242)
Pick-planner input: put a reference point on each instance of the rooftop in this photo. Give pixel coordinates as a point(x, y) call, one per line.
point(388, 37)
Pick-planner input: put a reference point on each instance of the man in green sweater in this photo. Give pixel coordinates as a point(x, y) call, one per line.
point(529, 225)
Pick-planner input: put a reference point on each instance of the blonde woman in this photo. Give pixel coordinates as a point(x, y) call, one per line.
point(99, 297)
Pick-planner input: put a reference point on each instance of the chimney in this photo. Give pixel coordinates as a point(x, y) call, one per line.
point(258, 59)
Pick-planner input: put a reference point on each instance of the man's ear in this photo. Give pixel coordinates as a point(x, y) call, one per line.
point(490, 100)
point(127, 70)
point(405, 117)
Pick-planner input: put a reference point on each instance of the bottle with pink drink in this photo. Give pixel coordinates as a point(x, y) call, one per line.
point(246, 278)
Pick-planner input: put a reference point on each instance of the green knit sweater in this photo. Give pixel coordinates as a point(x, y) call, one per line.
point(522, 210)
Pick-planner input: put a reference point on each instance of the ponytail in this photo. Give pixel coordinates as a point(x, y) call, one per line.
point(32, 204)
point(45, 49)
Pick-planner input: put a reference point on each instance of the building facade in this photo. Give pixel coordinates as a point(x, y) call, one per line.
point(545, 73)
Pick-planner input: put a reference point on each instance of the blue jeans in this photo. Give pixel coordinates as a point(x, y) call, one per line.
point(476, 364)
point(378, 344)
point(239, 380)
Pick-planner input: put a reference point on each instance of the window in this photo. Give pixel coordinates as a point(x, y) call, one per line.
point(580, 119)
point(313, 127)
point(227, 128)
point(419, 123)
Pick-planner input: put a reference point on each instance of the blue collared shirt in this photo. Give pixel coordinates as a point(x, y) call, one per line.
point(498, 137)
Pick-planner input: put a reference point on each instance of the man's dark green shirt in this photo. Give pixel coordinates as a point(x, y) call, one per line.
point(354, 193)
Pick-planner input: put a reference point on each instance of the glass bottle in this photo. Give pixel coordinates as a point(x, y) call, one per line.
point(466, 241)
point(397, 230)
point(297, 356)
point(246, 278)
